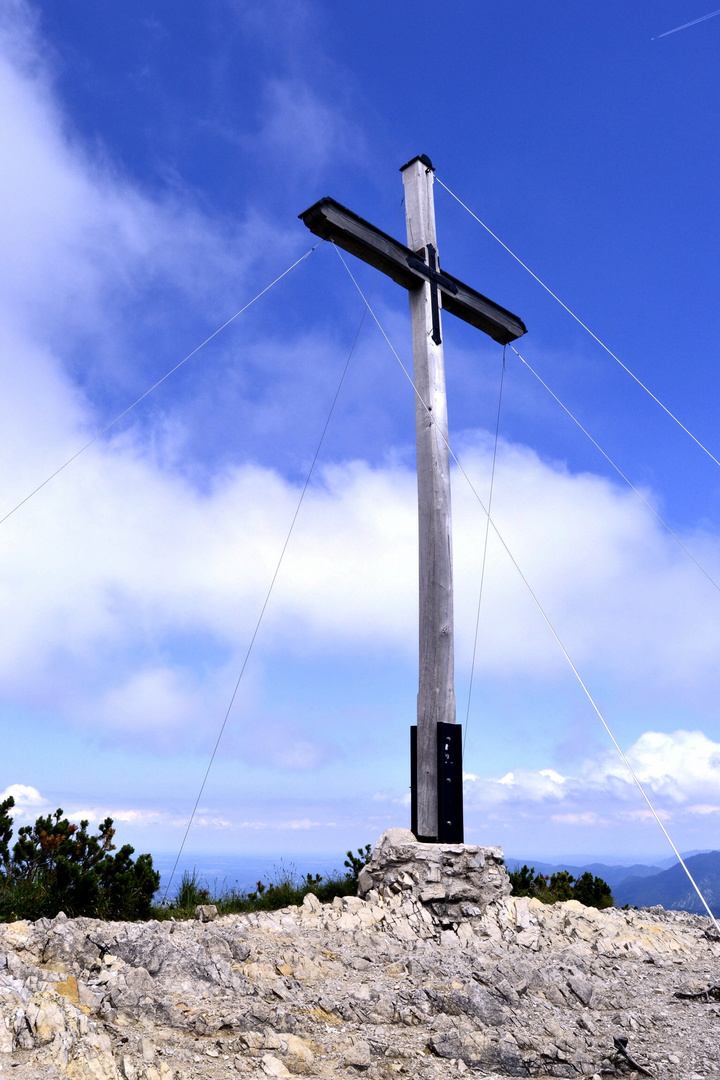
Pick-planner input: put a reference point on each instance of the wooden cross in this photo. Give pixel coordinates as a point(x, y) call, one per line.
point(436, 747)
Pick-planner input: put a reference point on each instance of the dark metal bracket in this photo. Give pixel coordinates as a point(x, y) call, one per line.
point(450, 791)
point(430, 270)
point(450, 784)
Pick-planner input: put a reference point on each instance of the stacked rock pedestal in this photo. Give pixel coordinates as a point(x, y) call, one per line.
point(454, 882)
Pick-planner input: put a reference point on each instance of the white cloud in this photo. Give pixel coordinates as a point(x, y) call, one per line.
point(293, 825)
point(137, 557)
point(589, 817)
point(205, 821)
point(397, 800)
point(519, 785)
point(140, 818)
point(678, 765)
point(621, 594)
point(29, 803)
point(645, 814)
point(676, 770)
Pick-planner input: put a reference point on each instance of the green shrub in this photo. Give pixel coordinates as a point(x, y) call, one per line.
point(355, 863)
point(55, 866)
point(588, 890)
point(560, 886)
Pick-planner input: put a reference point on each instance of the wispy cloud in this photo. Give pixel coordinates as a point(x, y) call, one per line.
point(581, 819)
point(302, 131)
point(29, 803)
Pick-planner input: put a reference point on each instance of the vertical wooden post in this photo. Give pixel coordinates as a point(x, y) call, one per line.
point(436, 694)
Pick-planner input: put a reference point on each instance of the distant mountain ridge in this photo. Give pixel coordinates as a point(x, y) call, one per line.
point(672, 889)
point(641, 885)
point(614, 875)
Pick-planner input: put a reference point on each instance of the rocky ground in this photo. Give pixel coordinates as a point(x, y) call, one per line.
point(376, 988)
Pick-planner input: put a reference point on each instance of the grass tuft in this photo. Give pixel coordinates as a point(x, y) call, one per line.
point(285, 888)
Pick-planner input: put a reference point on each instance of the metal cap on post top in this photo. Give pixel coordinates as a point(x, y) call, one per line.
point(418, 157)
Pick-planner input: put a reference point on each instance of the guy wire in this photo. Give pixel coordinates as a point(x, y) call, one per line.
point(484, 555)
point(536, 600)
point(155, 385)
point(578, 320)
point(617, 469)
point(272, 583)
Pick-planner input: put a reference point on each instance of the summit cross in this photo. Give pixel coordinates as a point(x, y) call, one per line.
point(436, 743)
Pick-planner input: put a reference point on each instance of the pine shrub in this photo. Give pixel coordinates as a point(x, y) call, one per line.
point(553, 888)
point(55, 866)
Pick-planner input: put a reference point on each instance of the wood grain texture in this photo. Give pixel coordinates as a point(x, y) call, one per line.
point(436, 692)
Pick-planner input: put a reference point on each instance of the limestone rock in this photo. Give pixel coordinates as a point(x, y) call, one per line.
point(206, 912)
point(272, 1066)
point(453, 881)
point(399, 982)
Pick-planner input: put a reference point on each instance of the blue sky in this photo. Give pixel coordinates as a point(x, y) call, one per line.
point(154, 160)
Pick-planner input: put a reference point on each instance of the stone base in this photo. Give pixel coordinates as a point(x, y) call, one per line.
point(454, 881)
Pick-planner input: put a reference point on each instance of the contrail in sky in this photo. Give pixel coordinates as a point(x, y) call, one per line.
point(685, 25)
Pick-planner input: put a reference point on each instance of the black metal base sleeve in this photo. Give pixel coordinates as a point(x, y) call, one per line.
point(413, 780)
point(450, 785)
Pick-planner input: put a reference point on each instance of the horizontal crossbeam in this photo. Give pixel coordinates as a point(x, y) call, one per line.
point(331, 221)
